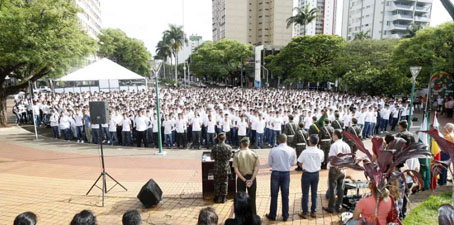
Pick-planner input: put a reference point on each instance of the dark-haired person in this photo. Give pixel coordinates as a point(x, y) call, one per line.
point(326, 138)
point(132, 217)
point(243, 212)
point(85, 217)
point(310, 160)
point(300, 141)
point(26, 218)
point(404, 133)
point(221, 154)
point(336, 176)
point(207, 216)
point(280, 159)
point(246, 164)
point(355, 130)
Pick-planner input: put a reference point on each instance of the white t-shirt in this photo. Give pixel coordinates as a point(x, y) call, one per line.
point(168, 125)
point(126, 123)
point(210, 126)
point(242, 126)
point(196, 124)
point(180, 125)
point(226, 125)
point(260, 126)
point(277, 124)
point(312, 159)
point(112, 125)
point(141, 123)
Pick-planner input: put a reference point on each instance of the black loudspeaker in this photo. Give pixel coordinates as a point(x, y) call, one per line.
point(98, 112)
point(150, 194)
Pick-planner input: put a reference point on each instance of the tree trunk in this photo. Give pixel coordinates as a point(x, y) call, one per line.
point(176, 68)
point(3, 112)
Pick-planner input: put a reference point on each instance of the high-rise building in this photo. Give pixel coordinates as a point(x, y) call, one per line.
point(90, 16)
point(383, 19)
point(257, 22)
point(325, 23)
point(194, 41)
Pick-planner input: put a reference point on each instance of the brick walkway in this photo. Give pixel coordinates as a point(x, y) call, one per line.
point(51, 177)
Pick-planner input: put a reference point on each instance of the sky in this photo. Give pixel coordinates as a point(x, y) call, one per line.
point(147, 19)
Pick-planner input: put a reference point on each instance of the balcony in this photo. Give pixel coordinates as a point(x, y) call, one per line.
point(423, 8)
point(397, 27)
point(397, 6)
point(422, 19)
point(401, 17)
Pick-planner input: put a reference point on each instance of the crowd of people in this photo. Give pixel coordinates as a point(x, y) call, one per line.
point(192, 117)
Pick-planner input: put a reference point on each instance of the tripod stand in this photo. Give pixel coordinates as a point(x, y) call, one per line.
point(103, 173)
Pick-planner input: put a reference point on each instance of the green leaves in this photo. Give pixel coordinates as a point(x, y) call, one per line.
point(220, 59)
point(308, 58)
point(128, 52)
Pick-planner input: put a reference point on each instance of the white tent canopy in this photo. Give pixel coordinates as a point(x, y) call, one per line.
point(103, 69)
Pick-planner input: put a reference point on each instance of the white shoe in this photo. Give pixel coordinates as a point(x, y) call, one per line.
point(67, 141)
point(78, 141)
point(82, 141)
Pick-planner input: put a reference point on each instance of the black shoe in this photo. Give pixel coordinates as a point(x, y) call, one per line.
point(216, 199)
point(270, 218)
point(299, 169)
point(328, 210)
point(224, 199)
point(338, 210)
point(284, 218)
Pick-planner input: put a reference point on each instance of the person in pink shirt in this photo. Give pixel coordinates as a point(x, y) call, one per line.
point(365, 208)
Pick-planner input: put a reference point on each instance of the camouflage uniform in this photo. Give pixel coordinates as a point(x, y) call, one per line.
point(326, 137)
point(337, 124)
point(407, 135)
point(355, 130)
point(300, 141)
point(290, 130)
point(316, 127)
point(221, 154)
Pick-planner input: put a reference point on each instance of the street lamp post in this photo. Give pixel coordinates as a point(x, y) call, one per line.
point(158, 110)
point(414, 74)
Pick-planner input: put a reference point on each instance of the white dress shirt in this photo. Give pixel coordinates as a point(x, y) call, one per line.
point(281, 158)
point(312, 159)
point(141, 123)
point(337, 147)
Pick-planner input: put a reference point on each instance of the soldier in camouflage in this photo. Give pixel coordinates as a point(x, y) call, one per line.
point(221, 153)
point(317, 125)
point(326, 138)
point(337, 123)
point(290, 131)
point(300, 142)
point(355, 130)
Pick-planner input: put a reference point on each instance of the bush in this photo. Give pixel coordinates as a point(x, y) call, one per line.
point(426, 213)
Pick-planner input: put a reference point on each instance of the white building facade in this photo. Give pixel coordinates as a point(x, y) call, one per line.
point(383, 19)
point(325, 23)
point(90, 16)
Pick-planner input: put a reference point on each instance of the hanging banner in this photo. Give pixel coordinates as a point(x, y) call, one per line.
point(442, 83)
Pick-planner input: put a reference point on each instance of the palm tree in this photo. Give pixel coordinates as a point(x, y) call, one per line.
point(163, 52)
point(303, 16)
point(362, 35)
point(449, 6)
point(175, 38)
point(412, 29)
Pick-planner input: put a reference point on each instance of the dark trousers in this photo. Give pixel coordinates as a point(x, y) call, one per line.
point(253, 135)
point(309, 180)
point(126, 137)
point(444, 173)
point(79, 133)
point(241, 187)
point(279, 180)
point(66, 133)
point(141, 137)
point(384, 125)
point(95, 134)
point(180, 140)
point(119, 130)
point(155, 139)
point(393, 123)
point(196, 139)
point(56, 132)
point(335, 182)
point(210, 139)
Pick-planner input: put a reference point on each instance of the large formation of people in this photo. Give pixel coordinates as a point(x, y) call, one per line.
point(192, 117)
point(302, 127)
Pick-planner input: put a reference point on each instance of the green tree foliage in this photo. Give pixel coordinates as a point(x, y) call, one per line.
point(303, 17)
point(37, 39)
point(221, 59)
point(175, 38)
point(308, 58)
point(412, 29)
point(128, 52)
point(362, 36)
point(431, 48)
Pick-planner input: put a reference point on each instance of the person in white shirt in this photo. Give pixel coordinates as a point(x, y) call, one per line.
point(336, 176)
point(65, 126)
point(79, 125)
point(113, 130)
point(141, 122)
point(226, 128)
point(280, 159)
point(126, 130)
point(168, 127)
point(180, 127)
point(385, 114)
point(310, 160)
point(210, 124)
point(276, 130)
point(242, 129)
point(260, 131)
point(54, 117)
point(196, 131)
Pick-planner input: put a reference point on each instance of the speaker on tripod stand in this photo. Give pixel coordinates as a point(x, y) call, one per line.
point(99, 115)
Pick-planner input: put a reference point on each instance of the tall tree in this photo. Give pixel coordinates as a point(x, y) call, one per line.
point(176, 38)
point(362, 35)
point(431, 48)
point(37, 39)
point(163, 52)
point(412, 29)
point(308, 58)
point(128, 52)
point(304, 16)
point(449, 6)
point(221, 59)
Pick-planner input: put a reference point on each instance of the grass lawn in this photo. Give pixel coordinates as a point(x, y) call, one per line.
point(426, 213)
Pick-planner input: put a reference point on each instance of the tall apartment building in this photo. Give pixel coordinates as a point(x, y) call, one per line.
point(383, 18)
point(90, 16)
point(325, 23)
point(194, 41)
point(257, 22)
